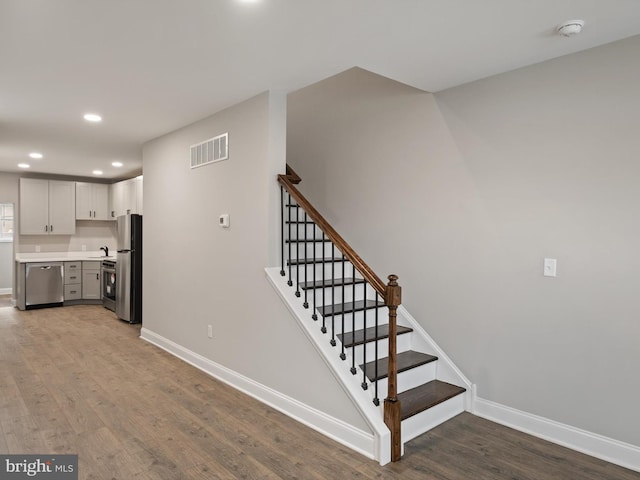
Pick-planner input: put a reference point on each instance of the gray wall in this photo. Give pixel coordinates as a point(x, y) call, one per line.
point(198, 274)
point(463, 194)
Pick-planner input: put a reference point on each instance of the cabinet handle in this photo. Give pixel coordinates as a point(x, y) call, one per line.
point(94, 214)
point(46, 228)
point(51, 228)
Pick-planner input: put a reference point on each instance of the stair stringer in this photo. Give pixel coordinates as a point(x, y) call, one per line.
point(373, 415)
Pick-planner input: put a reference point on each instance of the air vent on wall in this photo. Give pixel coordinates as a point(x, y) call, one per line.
point(213, 150)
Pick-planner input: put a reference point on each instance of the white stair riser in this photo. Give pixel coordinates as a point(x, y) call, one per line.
point(432, 417)
point(334, 296)
point(356, 320)
point(403, 344)
point(317, 250)
point(357, 323)
point(300, 232)
point(412, 378)
point(298, 271)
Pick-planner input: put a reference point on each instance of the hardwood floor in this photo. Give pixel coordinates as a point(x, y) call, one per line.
point(5, 300)
point(77, 380)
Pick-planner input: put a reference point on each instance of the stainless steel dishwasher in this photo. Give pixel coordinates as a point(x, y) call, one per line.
point(44, 284)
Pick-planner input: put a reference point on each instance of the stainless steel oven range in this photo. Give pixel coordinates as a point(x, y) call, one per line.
point(109, 284)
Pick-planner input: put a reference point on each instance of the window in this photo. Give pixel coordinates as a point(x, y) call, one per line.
point(6, 222)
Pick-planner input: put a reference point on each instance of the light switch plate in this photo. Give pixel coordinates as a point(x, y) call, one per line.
point(223, 221)
point(549, 269)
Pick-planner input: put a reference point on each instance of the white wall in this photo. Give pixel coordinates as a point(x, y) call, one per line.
point(90, 234)
point(197, 274)
point(553, 152)
point(463, 194)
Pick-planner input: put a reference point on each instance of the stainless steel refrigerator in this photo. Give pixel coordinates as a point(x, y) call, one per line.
point(129, 268)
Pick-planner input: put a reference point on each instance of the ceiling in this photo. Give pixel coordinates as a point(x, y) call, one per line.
point(151, 66)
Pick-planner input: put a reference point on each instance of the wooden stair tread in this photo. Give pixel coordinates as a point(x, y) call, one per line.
point(307, 261)
point(348, 307)
point(405, 361)
point(351, 339)
point(425, 396)
point(330, 283)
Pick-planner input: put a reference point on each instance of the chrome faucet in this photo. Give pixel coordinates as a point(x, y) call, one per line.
point(106, 251)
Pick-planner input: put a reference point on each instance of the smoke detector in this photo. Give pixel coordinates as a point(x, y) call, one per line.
point(570, 27)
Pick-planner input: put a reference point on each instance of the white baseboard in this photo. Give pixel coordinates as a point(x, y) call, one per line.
point(349, 436)
point(614, 451)
point(5, 291)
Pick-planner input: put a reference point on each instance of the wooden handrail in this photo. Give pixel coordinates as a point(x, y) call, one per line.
point(334, 236)
point(391, 293)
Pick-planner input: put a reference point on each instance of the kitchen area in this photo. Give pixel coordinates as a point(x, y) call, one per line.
point(80, 243)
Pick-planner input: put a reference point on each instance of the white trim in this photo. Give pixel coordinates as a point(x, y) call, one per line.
point(348, 435)
point(608, 449)
point(362, 399)
point(5, 291)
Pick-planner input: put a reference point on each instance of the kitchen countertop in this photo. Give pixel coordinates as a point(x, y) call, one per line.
point(62, 257)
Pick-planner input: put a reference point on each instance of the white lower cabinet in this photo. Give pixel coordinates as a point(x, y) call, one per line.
point(72, 281)
point(91, 280)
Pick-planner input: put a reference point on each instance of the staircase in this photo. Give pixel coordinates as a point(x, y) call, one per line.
point(358, 324)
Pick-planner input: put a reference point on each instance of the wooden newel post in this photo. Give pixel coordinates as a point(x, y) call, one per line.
point(392, 298)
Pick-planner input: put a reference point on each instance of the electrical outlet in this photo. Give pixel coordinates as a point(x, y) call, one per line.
point(37, 248)
point(210, 331)
point(84, 248)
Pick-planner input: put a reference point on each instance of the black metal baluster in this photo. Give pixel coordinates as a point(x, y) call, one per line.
point(343, 355)
point(376, 399)
point(290, 281)
point(298, 252)
point(364, 332)
point(306, 267)
point(324, 305)
point(314, 316)
point(353, 318)
point(282, 229)
point(333, 295)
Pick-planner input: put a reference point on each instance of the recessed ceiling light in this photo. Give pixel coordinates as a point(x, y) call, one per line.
point(92, 117)
point(116, 164)
point(24, 165)
point(35, 155)
point(97, 172)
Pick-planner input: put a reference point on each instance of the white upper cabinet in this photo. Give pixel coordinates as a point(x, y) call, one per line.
point(47, 207)
point(126, 197)
point(92, 201)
